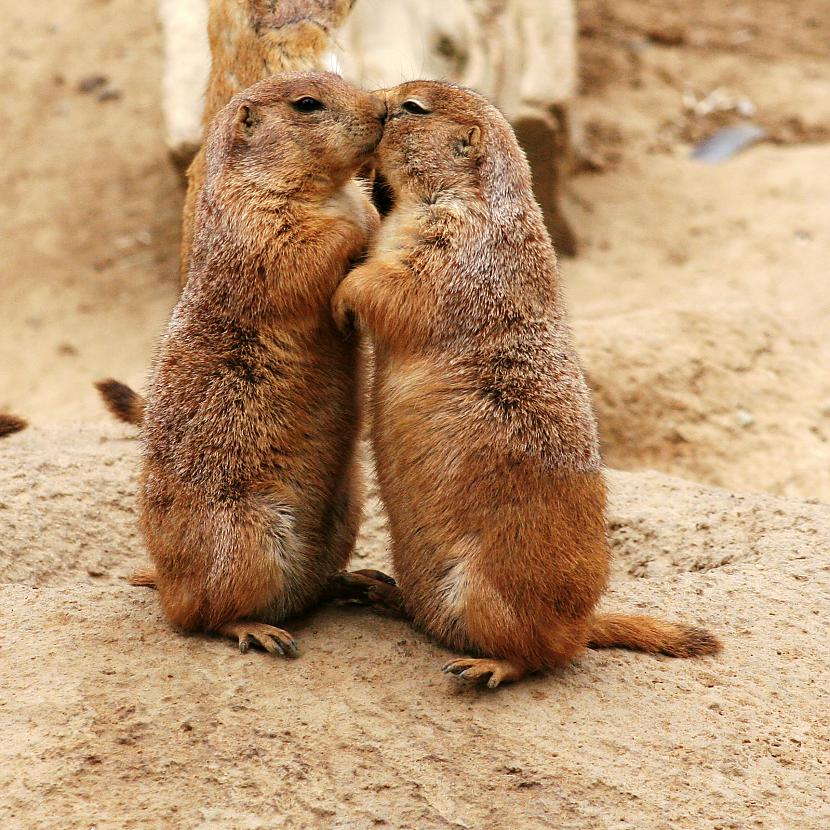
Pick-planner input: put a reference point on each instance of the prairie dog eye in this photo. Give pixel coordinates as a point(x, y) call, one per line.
point(307, 104)
point(414, 107)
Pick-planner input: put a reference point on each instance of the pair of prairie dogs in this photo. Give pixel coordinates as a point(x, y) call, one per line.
point(481, 422)
point(483, 432)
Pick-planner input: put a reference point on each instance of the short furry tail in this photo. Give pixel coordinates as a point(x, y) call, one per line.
point(126, 405)
point(651, 635)
point(10, 424)
point(143, 578)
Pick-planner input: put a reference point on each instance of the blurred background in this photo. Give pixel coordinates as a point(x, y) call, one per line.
point(700, 286)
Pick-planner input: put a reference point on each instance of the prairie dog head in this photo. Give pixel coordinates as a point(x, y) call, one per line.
point(295, 134)
point(442, 139)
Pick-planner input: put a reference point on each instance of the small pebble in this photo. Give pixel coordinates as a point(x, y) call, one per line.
point(745, 418)
point(90, 83)
point(668, 35)
point(109, 94)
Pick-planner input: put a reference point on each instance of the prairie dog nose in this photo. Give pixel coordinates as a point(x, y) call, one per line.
point(379, 101)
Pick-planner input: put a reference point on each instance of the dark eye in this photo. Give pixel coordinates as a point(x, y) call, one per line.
point(307, 104)
point(414, 107)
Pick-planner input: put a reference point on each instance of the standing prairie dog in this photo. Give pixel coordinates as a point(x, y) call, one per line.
point(250, 40)
point(249, 492)
point(484, 436)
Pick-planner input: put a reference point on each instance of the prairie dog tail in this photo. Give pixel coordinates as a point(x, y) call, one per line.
point(122, 402)
point(10, 424)
point(143, 578)
point(651, 635)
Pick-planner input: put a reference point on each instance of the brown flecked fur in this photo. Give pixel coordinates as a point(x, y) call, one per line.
point(250, 40)
point(250, 495)
point(483, 430)
point(10, 424)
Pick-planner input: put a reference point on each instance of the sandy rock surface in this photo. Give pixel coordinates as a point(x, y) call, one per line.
point(111, 719)
point(720, 393)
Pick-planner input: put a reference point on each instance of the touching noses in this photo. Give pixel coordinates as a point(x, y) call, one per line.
point(380, 107)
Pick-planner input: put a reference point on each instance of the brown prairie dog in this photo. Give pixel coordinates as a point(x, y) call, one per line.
point(482, 425)
point(250, 40)
point(249, 494)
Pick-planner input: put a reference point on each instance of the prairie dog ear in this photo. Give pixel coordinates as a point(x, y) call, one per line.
point(247, 118)
point(468, 141)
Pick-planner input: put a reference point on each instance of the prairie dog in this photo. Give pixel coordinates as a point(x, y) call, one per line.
point(249, 492)
point(250, 40)
point(482, 425)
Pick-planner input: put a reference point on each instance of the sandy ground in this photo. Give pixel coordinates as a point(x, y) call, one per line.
point(112, 720)
point(700, 302)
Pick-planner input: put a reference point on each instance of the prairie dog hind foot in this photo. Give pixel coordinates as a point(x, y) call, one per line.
point(268, 637)
point(366, 587)
point(247, 632)
point(485, 670)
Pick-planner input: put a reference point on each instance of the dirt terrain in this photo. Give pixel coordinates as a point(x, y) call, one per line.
point(700, 302)
point(112, 720)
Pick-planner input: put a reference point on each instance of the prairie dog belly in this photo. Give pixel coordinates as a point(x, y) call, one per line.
point(421, 454)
